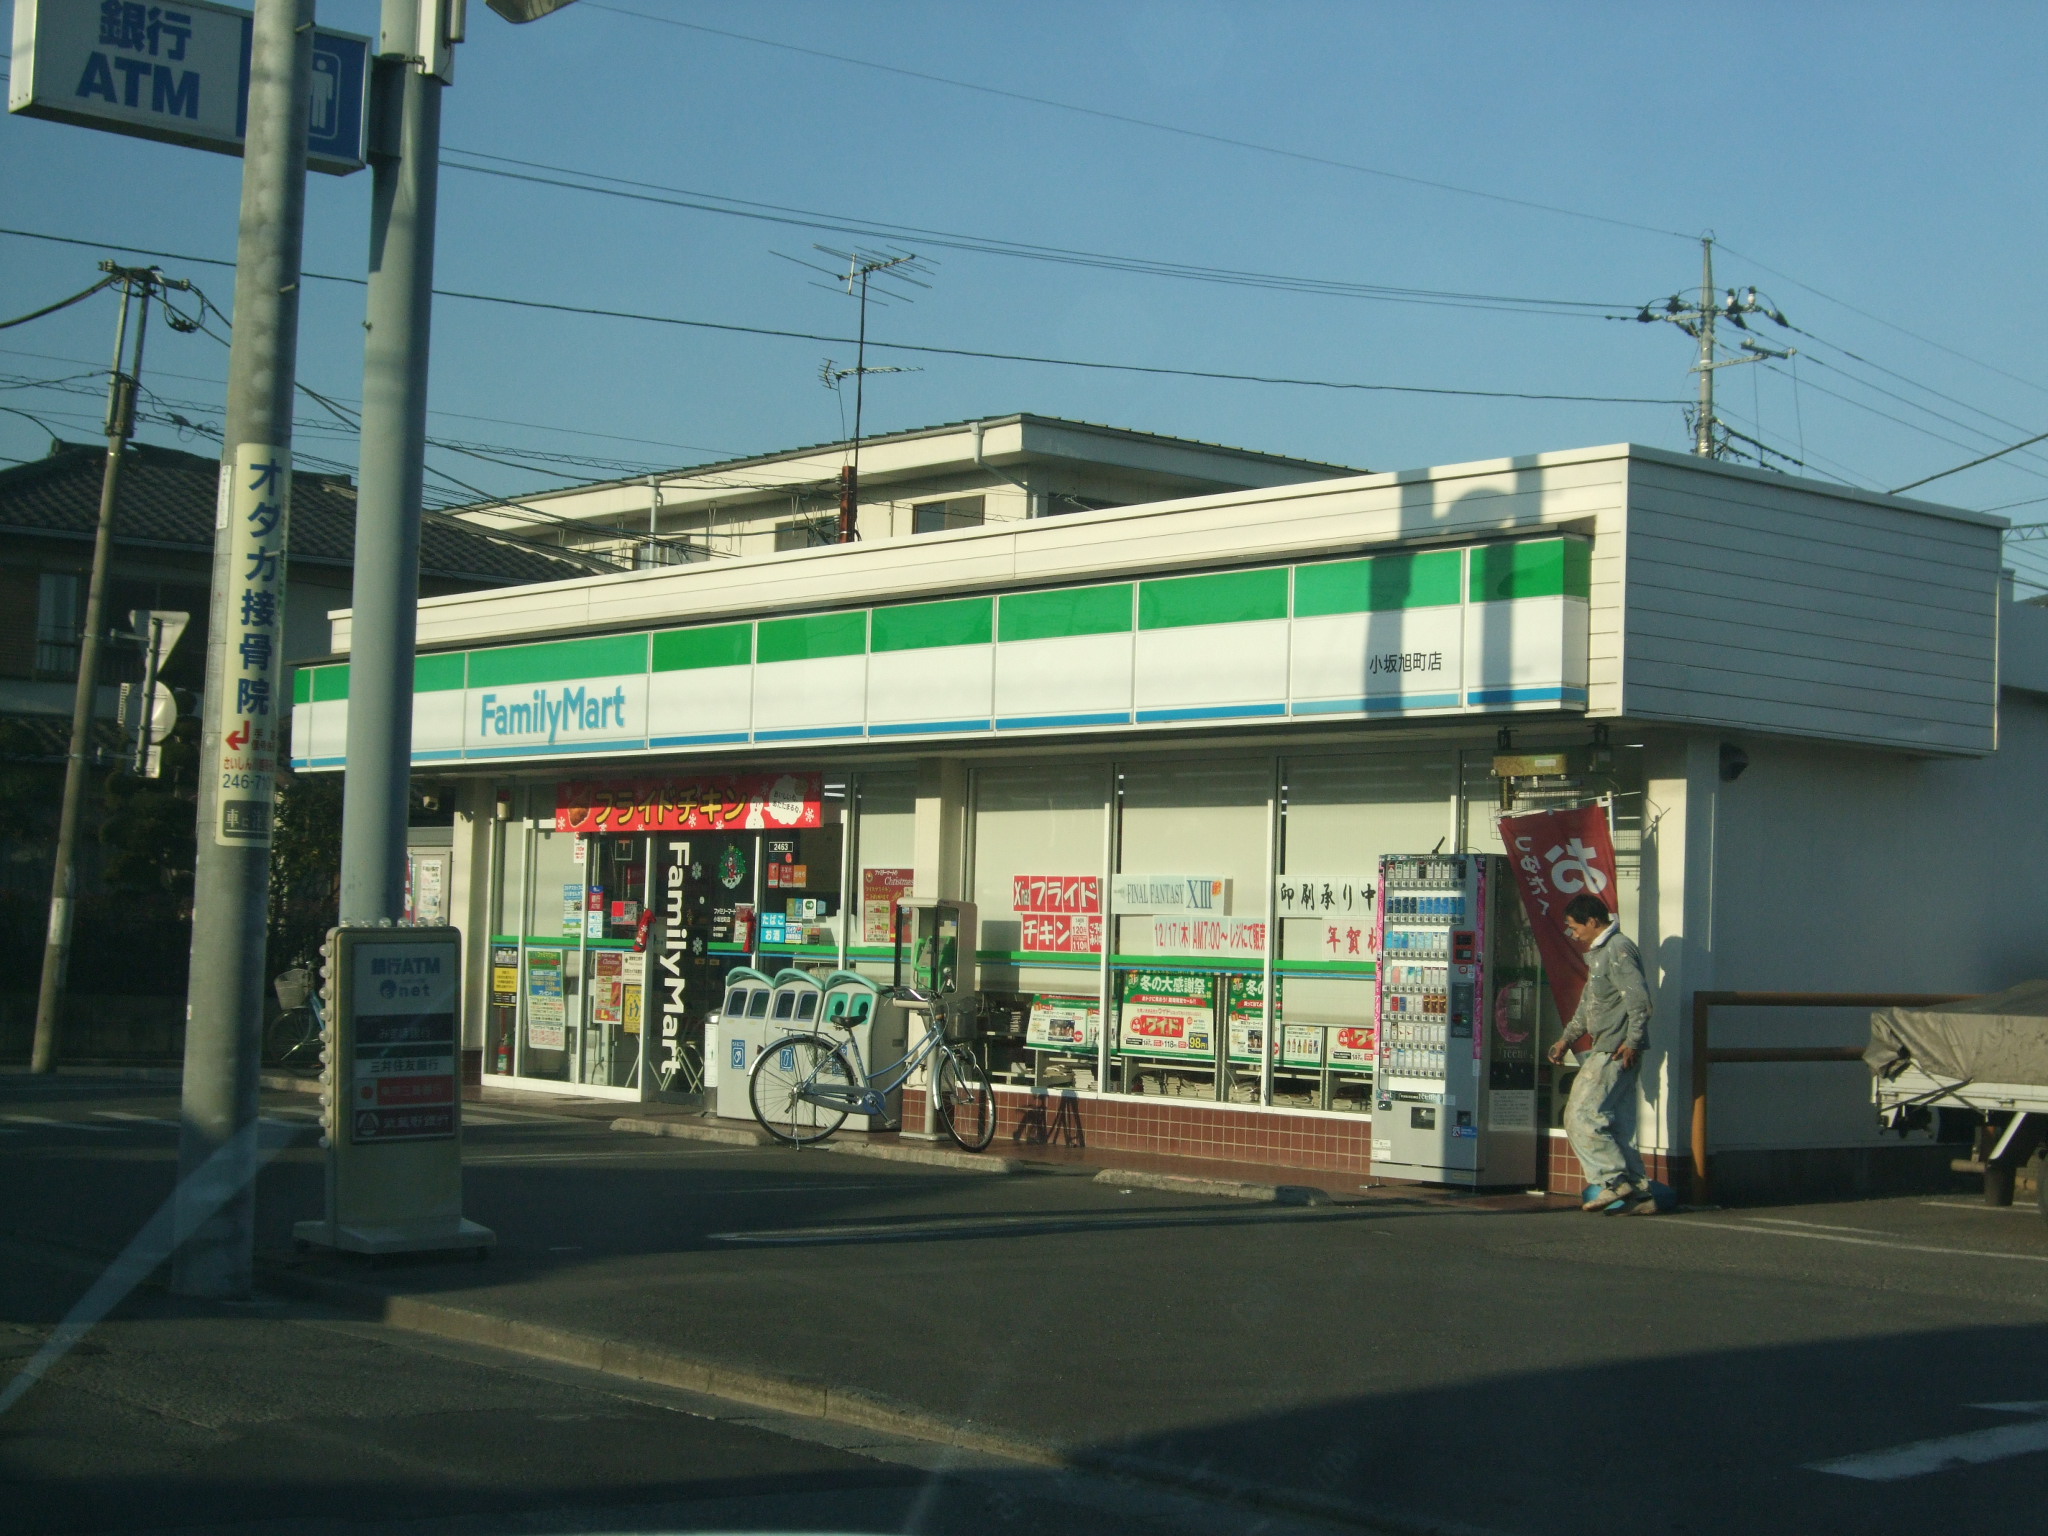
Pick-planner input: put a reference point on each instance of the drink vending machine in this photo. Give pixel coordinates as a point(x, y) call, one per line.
point(1456, 1000)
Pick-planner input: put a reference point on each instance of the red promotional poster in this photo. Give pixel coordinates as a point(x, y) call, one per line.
point(1058, 914)
point(696, 803)
point(1056, 893)
point(1556, 855)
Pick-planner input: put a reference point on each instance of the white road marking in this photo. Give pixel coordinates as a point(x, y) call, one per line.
point(62, 1125)
point(1701, 1224)
point(134, 1119)
point(1948, 1451)
point(1819, 1226)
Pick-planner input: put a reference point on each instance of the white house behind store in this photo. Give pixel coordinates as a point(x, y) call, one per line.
point(966, 474)
point(1830, 723)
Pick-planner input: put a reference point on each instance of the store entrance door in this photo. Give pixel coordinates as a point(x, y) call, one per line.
point(703, 906)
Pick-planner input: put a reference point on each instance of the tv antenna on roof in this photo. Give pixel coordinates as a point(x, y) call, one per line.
point(868, 275)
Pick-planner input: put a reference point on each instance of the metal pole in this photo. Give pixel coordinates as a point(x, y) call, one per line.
point(244, 706)
point(376, 793)
point(57, 945)
point(1703, 431)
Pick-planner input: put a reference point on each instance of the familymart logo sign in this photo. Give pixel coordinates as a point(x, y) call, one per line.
point(549, 716)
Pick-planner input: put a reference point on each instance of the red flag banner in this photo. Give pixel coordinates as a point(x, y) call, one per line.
point(691, 803)
point(1556, 855)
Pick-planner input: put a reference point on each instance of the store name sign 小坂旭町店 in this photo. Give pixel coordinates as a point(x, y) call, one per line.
point(1408, 634)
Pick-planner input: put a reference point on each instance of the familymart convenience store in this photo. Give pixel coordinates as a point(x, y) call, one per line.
point(1162, 748)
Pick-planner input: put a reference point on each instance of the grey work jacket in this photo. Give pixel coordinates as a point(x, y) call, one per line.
point(1615, 1007)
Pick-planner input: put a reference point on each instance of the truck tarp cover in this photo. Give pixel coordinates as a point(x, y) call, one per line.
point(2002, 1038)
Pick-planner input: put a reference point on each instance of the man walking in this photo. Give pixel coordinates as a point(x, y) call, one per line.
point(1615, 1011)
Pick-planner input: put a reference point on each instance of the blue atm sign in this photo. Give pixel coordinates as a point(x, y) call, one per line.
point(177, 72)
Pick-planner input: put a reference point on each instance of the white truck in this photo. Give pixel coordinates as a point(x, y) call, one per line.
point(1987, 1058)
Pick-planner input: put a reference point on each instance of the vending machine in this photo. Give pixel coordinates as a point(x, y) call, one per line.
point(1456, 1001)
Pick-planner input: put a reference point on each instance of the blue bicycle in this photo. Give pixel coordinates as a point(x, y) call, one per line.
point(804, 1085)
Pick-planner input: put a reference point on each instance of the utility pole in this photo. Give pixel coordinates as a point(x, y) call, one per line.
point(415, 60)
point(1697, 318)
point(1703, 442)
point(122, 383)
point(245, 707)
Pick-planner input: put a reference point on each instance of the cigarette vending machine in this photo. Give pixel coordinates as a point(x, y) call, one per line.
point(1456, 1003)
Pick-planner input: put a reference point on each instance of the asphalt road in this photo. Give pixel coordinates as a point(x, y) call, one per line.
point(1441, 1365)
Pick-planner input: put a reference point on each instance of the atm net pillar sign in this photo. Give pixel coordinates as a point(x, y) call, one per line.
point(393, 1096)
point(175, 72)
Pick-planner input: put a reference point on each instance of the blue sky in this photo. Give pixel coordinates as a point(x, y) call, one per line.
point(1875, 170)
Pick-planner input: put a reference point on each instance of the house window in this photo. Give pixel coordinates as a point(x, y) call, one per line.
point(805, 533)
point(57, 605)
point(937, 516)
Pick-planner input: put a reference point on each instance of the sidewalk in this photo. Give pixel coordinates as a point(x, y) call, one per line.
point(1191, 1175)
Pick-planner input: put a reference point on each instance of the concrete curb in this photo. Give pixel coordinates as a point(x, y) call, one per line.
point(930, 1157)
point(687, 1131)
point(809, 1398)
point(1229, 1189)
point(651, 1363)
point(285, 1082)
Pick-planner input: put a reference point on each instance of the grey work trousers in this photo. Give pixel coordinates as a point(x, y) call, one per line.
point(1598, 1119)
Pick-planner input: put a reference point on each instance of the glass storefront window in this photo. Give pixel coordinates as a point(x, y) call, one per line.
point(1340, 815)
point(1038, 844)
point(555, 923)
point(885, 851)
point(1182, 972)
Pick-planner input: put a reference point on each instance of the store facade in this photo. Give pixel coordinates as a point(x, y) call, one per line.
point(1163, 749)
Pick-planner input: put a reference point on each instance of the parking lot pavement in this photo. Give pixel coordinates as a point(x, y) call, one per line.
point(1412, 1362)
point(275, 1418)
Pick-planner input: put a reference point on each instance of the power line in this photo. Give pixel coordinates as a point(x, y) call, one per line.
point(1142, 122)
point(774, 213)
point(1986, 459)
point(1880, 320)
point(51, 309)
point(903, 346)
point(496, 421)
point(1912, 426)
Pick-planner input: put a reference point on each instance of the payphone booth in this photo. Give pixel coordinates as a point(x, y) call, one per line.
point(935, 954)
point(936, 942)
point(743, 1027)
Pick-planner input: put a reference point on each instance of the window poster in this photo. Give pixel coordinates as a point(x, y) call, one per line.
point(1164, 1014)
point(879, 890)
point(1063, 1024)
point(608, 987)
point(1058, 914)
point(547, 1013)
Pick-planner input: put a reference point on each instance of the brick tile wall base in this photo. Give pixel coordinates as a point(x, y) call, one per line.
point(1221, 1132)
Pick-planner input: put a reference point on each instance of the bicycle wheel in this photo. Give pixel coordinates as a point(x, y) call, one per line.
point(289, 1036)
point(789, 1068)
point(967, 1104)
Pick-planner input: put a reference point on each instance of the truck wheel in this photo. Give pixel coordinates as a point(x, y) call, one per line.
point(1998, 1183)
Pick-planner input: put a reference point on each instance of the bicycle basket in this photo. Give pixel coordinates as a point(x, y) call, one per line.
point(293, 987)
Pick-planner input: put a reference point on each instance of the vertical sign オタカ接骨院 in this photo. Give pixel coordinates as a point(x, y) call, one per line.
point(255, 505)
